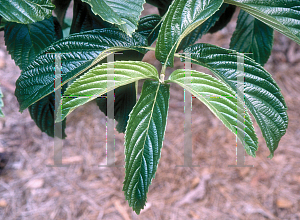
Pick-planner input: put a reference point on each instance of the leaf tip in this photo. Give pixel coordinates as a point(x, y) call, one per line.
point(271, 155)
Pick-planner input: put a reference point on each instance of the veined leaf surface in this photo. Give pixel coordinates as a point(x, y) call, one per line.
point(94, 82)
point(283, 15)
point(123, 13)
point(252, 36)
point(26, 11)
point(182, 18)
point(25, 41)
point(222, 101)
point(78, 52)
point(262, 94)
point(143, 141)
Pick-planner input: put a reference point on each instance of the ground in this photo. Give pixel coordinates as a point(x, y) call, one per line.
point(29, 189)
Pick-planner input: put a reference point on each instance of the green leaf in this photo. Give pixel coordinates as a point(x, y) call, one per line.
point(262, 95)
point(149, 26)
point(25, 41)
point(224, 19)
point(42, 112)
point(85, 20)
point(1, 104)
point(182, 18)
point(125, 96)
point(206, 26)
point(2, 24)
point(252, 36)
point(79, 52)
point(94, 82)
point(60, 10)
point(123, 13)
point(144, 140)
point(283, 16)
point(221, 100)
point(26, 11)
point(125, 99)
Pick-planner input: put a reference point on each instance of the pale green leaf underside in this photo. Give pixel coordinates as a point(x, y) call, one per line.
point(252, 36)
point(222, 101)
point(26, 11)
point(78, 53)
point(262, 95)
point(182, 17)
point(94, 83)
point(283, 16)
point(125, 14)
point(143, 141)
point(1, 104)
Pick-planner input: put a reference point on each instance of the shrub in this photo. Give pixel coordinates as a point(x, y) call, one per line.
point(33, 38)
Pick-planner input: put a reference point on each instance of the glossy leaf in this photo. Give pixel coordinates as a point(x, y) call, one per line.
point(283, 16)
point(143, 141)
point(60, 10)
point(125, 96)
point(221, 100)
point(42, 112)
point(182, 18)
point(123, 13)
point(205, 27)
point(262, 95)
point(85, 20)
point(26, 11)
point(79, 52)
point(1, 104)
point(25, 41)
point(94, 83)
point(224, 19)
point(149, 26)
point(252, 36)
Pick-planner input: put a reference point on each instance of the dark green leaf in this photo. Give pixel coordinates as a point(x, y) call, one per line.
point(252, 36)
point(25, 41)
point(283, 15)
point(149, 26)
point(125, 14)
point(262, 94)
point(85, 20)
point(224, 19)
point(26, 11)
point(78, 53)
point(182, 18)
point(61, 7)
point(144, 140)
point(204, 28)
point(42, 112)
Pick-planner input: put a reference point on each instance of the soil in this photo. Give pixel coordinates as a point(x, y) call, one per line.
point(30, 189)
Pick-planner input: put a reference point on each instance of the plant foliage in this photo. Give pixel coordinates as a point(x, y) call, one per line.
point(102, 27)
